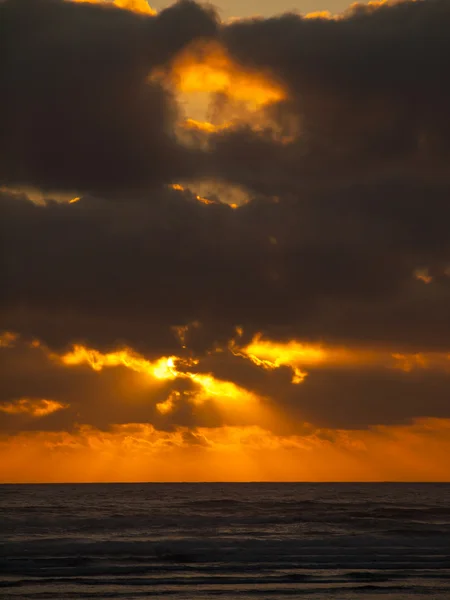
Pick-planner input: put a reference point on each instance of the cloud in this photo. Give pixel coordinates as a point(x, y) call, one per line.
point(80, 111)
point(106, 389)
point(342, 269)
point(138, 6)
point(339, 388)
point(138, 296)
point(367, 92)
point(358, 98)
point(32, 407)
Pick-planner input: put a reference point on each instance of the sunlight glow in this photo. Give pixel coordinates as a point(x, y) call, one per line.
point(32, 407)
point(271, 355)
point(7, 339)
point(201, 199)
point(137, 6)
point(206, 67)
point(139, 452)
point(423, 275)
point(167, 405)
point(296, 355)
point(282, 354)
point(205, 126)
point(165, 368)
point(319, 14)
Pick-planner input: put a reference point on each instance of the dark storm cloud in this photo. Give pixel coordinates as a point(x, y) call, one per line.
point(358, 398)
point(77, 110)
point(368, 91)
point(362, 202)
point(334, 266)
point(342, 397)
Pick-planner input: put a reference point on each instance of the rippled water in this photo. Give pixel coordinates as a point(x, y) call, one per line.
point(340, 541)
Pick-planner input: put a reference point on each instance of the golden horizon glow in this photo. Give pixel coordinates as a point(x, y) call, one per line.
point(139, 452)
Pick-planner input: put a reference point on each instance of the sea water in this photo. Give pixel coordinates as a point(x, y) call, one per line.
point(255, 540)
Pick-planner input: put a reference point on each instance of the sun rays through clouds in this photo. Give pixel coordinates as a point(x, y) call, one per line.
point(224, 242)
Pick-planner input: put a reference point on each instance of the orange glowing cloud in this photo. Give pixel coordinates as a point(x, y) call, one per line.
point(204, 126)
point(407, 362)
point(225, 394)
point(371, 5)
point(163, 368)
point(271, 355)
point(168, 404)
point(179, 187)
point(7, 339)
point(32, 407)
point(137, 6)
point(206, 67)
point(423, 275)
point(319, 14)
point(283, 354)
point(252, 447)
point(202, 200)
point(377, 3)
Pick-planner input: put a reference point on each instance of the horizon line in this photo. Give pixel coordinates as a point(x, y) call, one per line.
point(230, 482)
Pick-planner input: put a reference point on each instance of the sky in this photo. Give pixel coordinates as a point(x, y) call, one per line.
point(229, 9)
point(224, 246)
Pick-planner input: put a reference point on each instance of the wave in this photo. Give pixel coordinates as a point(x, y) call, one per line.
point(205, 541)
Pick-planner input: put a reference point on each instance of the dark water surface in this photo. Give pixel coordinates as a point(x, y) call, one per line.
point(340, 541)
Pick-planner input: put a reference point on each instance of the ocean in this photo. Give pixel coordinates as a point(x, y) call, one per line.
point(255, 540)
